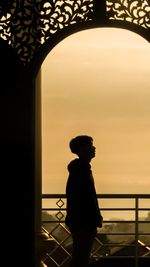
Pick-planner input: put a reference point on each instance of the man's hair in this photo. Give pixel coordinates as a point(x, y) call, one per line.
point(78, 142)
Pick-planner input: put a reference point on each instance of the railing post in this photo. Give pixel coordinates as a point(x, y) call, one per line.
point(136, 231)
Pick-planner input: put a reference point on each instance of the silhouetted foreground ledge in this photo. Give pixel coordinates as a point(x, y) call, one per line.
point(123, 262)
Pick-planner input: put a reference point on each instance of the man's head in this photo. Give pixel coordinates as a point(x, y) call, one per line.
point(82, 145)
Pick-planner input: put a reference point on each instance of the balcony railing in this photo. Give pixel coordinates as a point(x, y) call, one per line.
point(125, 233)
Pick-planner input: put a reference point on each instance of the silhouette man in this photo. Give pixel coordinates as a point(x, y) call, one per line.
point(83, 214)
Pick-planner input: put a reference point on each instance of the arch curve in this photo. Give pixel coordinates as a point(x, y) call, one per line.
point(32, 29)
point(50, 43)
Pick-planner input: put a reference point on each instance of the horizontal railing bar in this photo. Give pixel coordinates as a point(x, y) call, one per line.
point(122, 257)
point(131, 221)
point(116, 245)
point(125, 209)
point(108, 233)
point(105, 221)
point(140, 209)
point(105, 245)
point(116, 257)
point(53, 196)
point(55, 209)
point(115, 233)
point(102, 209)
point(122, 233)
point(111, 221)
point(53, 221)
point(63, 221)
point(131, 196)
point(119, 209)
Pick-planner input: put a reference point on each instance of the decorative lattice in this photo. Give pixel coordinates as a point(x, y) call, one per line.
point(137, 12)
point(60, 255)
point(27, 25)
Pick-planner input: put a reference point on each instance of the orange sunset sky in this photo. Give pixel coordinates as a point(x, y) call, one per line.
point(97, 82)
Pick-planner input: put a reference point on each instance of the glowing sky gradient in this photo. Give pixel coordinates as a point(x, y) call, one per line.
point(97, 82)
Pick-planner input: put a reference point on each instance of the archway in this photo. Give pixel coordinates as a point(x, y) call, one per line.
point(111, 99)
point(132, 95)
point(22, 25)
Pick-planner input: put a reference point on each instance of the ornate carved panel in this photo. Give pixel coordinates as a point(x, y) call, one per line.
point(134, 11)
point(56, 15)
point(27, 25)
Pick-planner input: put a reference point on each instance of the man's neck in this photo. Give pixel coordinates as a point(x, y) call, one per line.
point(85, 159)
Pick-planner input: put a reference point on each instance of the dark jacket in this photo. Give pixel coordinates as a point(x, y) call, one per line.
point(82, 204)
